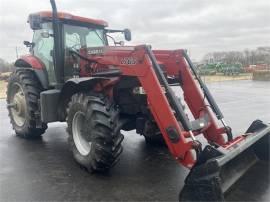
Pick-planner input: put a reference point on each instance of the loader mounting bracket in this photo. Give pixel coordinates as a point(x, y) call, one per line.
point(173, 134)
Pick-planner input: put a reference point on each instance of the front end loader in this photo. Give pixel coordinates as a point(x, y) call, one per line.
point(101, 89)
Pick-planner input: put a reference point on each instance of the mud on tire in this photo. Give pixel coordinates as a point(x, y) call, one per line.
point(94, 138)
point(25, 86)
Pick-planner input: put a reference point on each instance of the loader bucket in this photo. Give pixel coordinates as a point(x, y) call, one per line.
point(216, 170)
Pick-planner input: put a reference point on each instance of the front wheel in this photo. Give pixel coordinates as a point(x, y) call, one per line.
point(153, 135)
point(94, 131)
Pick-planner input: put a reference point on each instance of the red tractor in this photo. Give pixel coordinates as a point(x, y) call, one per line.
point(73, 75)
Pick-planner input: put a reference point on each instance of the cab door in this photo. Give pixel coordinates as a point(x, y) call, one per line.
point(43, 49)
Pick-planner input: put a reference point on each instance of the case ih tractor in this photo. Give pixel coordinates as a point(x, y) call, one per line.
point(73, 75)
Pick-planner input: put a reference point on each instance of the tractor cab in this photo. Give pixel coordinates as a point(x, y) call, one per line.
point(74, 33)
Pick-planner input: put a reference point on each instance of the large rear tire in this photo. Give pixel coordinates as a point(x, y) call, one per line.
point(94, 131)
point(23, 93)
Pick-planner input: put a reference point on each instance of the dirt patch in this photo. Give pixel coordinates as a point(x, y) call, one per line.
point(3, 83)
point(4, 76)
point(262, 75)
point(3, 87)
point(217, 78)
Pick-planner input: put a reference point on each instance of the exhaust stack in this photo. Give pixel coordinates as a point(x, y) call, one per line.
point(58, 51)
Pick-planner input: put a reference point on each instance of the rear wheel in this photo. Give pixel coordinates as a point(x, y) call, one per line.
point(94, 131)
point(23, 92)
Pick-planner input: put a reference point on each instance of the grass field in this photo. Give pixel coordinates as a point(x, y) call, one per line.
point(207, 79)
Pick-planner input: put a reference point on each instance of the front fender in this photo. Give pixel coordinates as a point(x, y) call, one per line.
point(73, 86)
point(56, 100)
point(80, 84)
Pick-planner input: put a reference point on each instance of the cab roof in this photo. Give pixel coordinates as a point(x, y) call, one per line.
point(70, 17)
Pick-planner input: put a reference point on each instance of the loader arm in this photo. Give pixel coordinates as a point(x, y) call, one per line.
point(135, 61)
point(141, 62)
point(222, 162)
point(194, 95)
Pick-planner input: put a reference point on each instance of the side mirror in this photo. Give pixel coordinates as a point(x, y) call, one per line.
point(120, 43)
point(28, 44)
point(34, 21)
point(127, 34)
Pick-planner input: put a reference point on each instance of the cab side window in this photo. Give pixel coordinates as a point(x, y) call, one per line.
point(72, 40)
point(93, 38)
point(43, 49)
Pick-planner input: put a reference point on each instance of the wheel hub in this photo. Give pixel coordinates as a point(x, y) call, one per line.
point(19, 104)
point(18, 108)
point(78, 124)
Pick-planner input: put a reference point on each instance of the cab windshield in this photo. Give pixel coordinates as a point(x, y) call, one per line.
point(77, 37)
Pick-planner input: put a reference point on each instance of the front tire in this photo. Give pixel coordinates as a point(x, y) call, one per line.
point(94, 131)
point(23, 93)
point(152, 134)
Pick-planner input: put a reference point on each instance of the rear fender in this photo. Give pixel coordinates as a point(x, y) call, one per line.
point(33, 63)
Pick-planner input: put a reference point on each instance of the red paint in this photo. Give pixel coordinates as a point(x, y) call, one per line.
point(235, 141)
point(68, 16)
point(175, 65)
point(106, 86)
point(33, 61)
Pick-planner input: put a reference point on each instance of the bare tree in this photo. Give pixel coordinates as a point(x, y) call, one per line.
point(247, 57)
point(5, 66)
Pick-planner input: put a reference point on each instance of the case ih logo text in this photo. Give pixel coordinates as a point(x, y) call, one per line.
point(95, 51)
point(128, 61)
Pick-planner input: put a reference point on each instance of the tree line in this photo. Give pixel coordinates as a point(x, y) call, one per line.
point(5, 66)
point(261, 55)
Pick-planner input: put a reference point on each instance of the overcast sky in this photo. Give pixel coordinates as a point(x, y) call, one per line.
point(201, 26)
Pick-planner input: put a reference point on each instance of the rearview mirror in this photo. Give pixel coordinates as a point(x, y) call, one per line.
point(127, 34)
